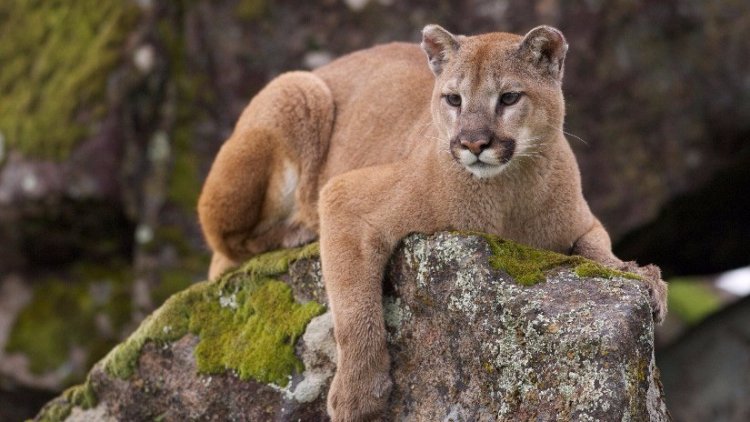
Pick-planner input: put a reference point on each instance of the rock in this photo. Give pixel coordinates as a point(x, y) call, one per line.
point(707, 372)
point(468, 342)
point(569, 348)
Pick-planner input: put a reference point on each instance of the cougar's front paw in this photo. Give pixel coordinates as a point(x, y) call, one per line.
point(657, 288)
point(357, 396)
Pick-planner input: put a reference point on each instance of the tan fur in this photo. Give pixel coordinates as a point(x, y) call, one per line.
point(367, 149)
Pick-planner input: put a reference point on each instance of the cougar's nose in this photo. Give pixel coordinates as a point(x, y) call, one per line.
point(476, 145)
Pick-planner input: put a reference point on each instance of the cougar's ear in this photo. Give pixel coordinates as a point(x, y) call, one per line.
point(440, 46)
point(545, 48)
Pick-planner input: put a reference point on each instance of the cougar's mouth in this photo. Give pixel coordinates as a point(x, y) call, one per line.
point(490, 161)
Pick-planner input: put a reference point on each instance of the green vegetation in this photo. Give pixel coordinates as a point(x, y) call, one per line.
point(55, 411)
point(527, 265)
point(82, 396)
point(692, 300)
point(55, 58)
point(246, 321)
point(592, 269)
point(64, 310)
point(257, 338)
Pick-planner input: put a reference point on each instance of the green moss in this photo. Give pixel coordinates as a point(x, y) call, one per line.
point(82, 396)
point(55, 58)
point(257, 339)
point(692, 300)
point(246, 321)
point(62, 315)
point(168, 323)
point(55, 411)
point(527, 265)
point(277, 262)
point(593, 269)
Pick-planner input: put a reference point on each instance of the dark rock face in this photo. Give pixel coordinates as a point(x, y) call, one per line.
point(707, 373)
point(467, 343)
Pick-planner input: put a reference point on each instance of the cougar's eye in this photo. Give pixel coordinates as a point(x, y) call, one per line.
point(510, 98)
point(454, 100)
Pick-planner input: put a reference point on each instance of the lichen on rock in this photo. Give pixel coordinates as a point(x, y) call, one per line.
point(319, 356)
point(571, 348)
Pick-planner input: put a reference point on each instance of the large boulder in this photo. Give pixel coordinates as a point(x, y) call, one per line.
point(478, 329)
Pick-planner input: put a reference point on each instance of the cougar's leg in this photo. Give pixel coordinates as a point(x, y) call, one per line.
point(262, 187)
point(596, 245)
point(219, 264)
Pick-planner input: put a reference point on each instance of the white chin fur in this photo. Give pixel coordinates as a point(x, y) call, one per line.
point(483, 167)
point(484, 170)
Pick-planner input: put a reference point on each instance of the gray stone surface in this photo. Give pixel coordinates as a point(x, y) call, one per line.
point(481, 347)
point(468, 343)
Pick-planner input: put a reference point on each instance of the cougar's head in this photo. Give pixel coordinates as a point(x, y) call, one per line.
point(497, 96)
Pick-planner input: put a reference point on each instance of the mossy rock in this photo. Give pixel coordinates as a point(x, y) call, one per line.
point(55, 57)
point(465, 338)
point(528, 265)
point(247, 321)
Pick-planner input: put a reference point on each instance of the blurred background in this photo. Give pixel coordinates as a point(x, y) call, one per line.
point(111, 112)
